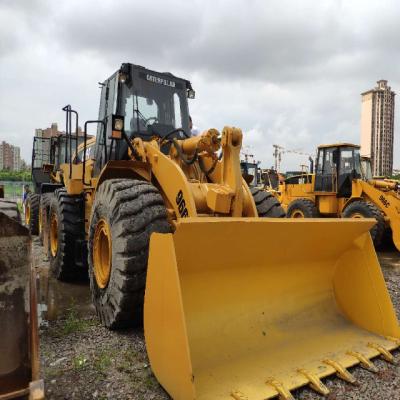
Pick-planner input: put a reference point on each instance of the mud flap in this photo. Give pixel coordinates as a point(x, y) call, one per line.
point(254, 308)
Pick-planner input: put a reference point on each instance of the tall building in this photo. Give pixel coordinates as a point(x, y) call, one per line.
point(10, 157)
point(377, 128)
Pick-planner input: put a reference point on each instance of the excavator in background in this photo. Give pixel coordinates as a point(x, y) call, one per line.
point(175, 241)
point(342, 186)
point(19, 341)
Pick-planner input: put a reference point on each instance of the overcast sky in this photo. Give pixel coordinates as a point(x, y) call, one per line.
point(286, 72)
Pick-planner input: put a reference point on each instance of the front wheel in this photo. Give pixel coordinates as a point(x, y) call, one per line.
point(302, 208)
point(124, 215)
point(366, 209)
point(66, 236)
point(44, 210)
point(32, 213)
point(268, 206)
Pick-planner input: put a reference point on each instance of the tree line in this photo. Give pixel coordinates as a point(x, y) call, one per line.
point(15, 176)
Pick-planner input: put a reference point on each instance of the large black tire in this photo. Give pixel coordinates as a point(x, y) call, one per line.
point(32, 221)
point(10, 208)
point(44, 212)
point(68, 258)
point(267, 204)
point(366, 209)
point(302, 208)
point(132, 210)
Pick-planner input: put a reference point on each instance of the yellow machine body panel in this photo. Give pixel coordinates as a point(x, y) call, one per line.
point(292, 191)
point(225, 318)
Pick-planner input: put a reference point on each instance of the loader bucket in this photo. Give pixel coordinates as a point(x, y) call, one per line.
point(254, 308)
point(19, 359)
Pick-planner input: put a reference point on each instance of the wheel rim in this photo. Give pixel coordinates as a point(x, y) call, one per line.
point(27, 213)
point(357, 215)
point(53, 234)
point(102, 253)
point(297, 214)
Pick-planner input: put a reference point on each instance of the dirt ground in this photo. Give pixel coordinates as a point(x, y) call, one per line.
point(82, 360)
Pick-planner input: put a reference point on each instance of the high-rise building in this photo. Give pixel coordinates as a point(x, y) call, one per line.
point(377, 128)
point(10, 157)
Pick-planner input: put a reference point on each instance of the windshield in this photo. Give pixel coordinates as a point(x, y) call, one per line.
point(154, 106)
point(350, 161)
point(41, 152)
point(366, 170)
point(249, 170)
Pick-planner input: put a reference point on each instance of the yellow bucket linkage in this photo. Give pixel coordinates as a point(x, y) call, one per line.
point(250, 309)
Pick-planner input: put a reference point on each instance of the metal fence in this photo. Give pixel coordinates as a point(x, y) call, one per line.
point(14, 190)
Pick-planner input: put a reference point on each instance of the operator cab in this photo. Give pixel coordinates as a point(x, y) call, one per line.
point(337, 165)
point(366, 169)
point(144, 104)
point(250, 173)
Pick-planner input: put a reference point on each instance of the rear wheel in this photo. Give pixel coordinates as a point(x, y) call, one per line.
point(66, 236)
point(10, 208)
point(124, 215)
point(302, 208)
point(366, 209)
point(32, 213)
point(267, 204)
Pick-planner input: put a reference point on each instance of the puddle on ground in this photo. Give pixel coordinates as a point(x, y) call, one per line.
point(56, 299)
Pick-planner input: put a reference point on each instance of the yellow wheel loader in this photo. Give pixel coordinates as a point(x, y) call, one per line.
point(47, 156)
point(172, 232)
point(267, 202)
point(342, 186)
point(19, 342)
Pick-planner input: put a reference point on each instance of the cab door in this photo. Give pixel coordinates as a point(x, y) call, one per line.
point(108, 102)
point(326, 170)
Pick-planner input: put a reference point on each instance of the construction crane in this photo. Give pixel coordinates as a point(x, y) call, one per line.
point(279, 150)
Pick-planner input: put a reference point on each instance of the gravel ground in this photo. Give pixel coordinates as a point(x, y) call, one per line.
point(83, 360)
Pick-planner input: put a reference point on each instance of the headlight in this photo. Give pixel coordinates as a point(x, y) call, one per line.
point(118, 124)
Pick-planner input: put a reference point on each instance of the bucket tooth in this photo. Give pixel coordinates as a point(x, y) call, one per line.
point(284, 392)
point(365, 363)
point(237, 395)
point(315, 382)
point(341, 371)
point(386, 355)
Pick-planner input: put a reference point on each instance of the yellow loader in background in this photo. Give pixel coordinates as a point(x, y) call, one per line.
point(47, 156)
point(342, 186)
point(172, 232)
point(262, 185)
